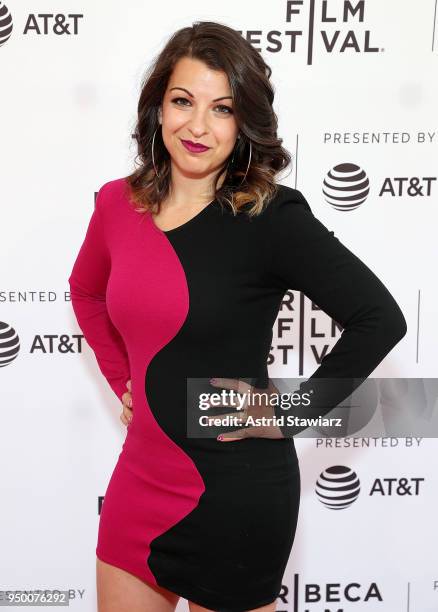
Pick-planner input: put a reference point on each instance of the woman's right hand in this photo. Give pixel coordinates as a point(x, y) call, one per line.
point(126, 416)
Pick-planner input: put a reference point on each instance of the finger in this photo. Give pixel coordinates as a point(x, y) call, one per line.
point(255, 431)
point(230, 383)
point(233, 403)
point(230, 436)
point(124, 420)
point(128, 384)
point(127, 412)
point(249, 432)
point(241, 414)
point(127, 399)
point(237, 405)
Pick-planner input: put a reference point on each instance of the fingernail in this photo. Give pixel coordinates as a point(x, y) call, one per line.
point(130, 402)
point(213, 381)
point(220, 437)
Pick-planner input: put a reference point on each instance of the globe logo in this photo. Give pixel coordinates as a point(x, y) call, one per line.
point(337, 487)
point(5, 24)
point(346, 187)
point(9, 344)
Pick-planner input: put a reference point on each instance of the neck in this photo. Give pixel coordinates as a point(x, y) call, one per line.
point(193, 189)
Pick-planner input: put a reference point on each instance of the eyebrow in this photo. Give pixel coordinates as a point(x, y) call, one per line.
point(192, 96)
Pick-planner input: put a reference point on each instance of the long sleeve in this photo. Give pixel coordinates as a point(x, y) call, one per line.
point(88, 281)
point(306, 256)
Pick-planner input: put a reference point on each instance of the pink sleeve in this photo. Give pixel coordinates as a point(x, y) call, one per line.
point(88, 281)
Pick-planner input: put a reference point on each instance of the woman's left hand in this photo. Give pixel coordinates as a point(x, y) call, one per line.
point(126, 415)
point(256, 409)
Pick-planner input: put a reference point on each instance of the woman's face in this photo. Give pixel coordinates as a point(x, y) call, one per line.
point(198, 107)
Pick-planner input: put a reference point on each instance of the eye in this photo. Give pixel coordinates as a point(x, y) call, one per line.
point(177, 99)
point(229, 111)
point(225, 110)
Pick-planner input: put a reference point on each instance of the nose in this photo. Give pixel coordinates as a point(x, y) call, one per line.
point(198, 124)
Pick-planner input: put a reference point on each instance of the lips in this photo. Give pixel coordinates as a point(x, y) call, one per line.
point(193, 147)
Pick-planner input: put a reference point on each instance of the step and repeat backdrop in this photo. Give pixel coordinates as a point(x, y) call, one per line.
point(357, 97)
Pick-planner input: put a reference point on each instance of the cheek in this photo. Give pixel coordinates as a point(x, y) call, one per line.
point(226, 144)
point(226, 134)
point(173, 121)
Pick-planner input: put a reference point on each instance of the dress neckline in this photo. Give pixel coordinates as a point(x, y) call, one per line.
point(183, 225)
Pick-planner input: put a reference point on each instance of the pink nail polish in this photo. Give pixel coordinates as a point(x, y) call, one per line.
point(220, 437)
point(213, 381)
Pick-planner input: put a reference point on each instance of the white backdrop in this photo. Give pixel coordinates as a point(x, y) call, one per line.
point(68, 102)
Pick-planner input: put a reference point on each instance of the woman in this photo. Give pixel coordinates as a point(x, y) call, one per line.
point(181, 274)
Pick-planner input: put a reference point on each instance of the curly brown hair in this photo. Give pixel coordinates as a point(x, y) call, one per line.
point(220, 48)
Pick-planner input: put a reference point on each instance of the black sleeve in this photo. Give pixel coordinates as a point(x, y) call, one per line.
point(308, 257)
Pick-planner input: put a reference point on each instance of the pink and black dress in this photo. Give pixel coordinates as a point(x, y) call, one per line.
point(211, 521)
